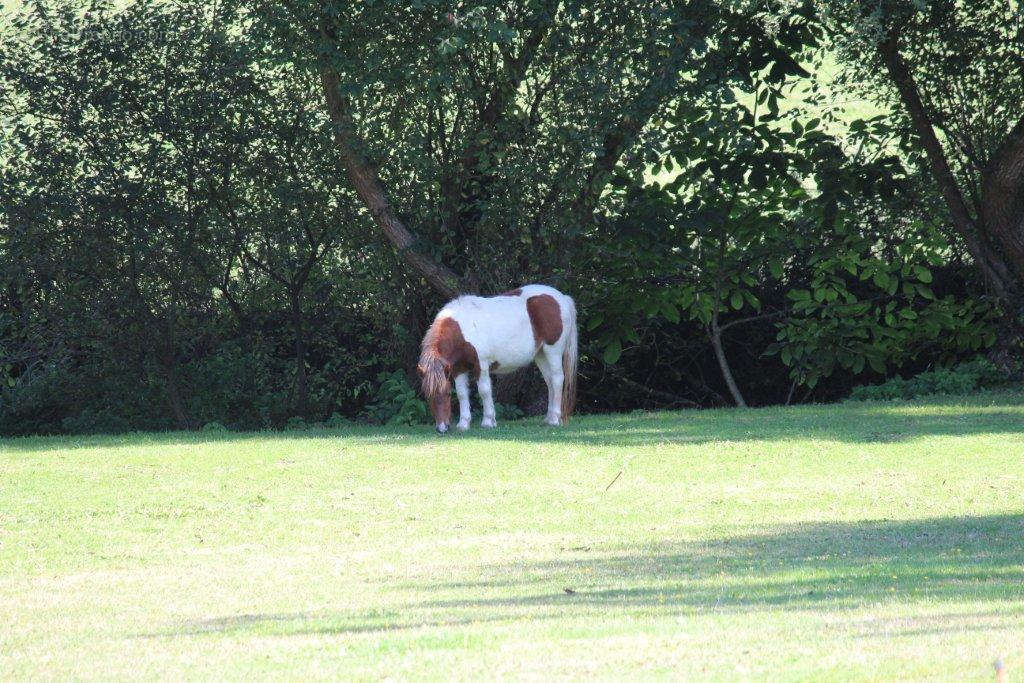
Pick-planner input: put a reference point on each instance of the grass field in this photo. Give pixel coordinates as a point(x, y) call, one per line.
point(856, 541)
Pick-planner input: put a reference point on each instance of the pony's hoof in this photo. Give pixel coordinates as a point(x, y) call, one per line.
point(462, 426)
point(488, 422)
point(552, 421)
point(442, 428)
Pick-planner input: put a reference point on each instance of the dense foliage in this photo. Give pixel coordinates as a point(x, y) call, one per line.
point(200, 206)
point(963, 378)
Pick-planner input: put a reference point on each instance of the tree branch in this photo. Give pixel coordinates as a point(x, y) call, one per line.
point(911, 98)
point(751, 318)
point(362, 174)
point(629, 126)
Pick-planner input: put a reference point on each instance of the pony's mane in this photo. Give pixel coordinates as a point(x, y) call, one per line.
point(431, 364)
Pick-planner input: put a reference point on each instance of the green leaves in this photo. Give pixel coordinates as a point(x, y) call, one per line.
point(670, 312)
point(612, 352)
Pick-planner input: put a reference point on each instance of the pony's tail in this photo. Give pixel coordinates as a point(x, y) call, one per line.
point(569, 359)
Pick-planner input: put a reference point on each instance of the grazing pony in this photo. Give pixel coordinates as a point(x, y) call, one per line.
point(473, 337)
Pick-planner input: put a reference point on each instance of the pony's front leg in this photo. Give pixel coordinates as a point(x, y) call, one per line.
point(462, 391)
point(487, 399)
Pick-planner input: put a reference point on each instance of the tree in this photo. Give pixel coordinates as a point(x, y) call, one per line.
point(163, 188)
point(285, 213)
point(194, 229)
point(110, 151)
point(765, 218)
point(952, 71)
point(480, 141)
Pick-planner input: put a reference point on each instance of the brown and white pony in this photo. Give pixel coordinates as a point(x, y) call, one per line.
point(473, 337)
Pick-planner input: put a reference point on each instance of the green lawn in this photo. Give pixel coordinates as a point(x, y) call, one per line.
point(856, 541)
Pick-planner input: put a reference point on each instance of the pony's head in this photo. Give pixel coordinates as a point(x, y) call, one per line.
point(445, 354)
point(435, 374)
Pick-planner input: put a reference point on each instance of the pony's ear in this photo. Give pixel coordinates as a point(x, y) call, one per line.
point(420, 370)
point(447, 369)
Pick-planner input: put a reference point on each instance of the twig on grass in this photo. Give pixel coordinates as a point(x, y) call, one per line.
point(621, 470)
point(613, 481)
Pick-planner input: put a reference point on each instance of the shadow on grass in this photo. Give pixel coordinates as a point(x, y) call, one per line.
point(948, 563)
point(883, 422)
point(834, 564)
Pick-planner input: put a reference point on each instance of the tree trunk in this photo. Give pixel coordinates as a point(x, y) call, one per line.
point(615, 143)
point(715, 332)
point(301, 380)
point(370, 190)
point(977, 234)
point(173, 392)
point(1002, 197)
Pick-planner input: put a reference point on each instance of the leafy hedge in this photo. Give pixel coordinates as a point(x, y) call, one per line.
point(964, 378)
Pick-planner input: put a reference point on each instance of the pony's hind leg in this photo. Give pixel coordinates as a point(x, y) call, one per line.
point(555, 377)
point(545, 371)
point(483, 385)
point(465, 410)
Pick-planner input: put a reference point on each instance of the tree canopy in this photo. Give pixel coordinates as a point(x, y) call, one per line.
point(246, 213)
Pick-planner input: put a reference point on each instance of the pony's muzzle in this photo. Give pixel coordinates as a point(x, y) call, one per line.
point(442, 428)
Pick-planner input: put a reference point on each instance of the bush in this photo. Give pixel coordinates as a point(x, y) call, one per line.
point(988, 373)
point(507, 411)
point(34, 402)
point(964, 378)
point(95, 422)
point(296, 423)
point(396, 402)
point(337, 421)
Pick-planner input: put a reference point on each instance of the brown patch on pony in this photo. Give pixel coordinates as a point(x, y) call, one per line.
point(512, 292)
point(444, 354)
point(461, 353)
point(444, 342)
point(545, 318)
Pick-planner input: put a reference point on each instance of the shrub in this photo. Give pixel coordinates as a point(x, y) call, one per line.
point(396, 402)
point(95, 422)
point(964, 378)
point(507, 411)
point(296, 423)
point(34, 402)
point(337, 421)
point(988, 373)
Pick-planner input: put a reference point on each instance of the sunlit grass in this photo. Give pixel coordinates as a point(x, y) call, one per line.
point(851, 541)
